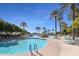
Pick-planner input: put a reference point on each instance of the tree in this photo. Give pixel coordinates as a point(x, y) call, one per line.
point(48, 31)
point(75, 24)
point(23, 24)
point(64, 27)
point(60, 22)
point(9, 28)
point(1, 24)
point(73, 8)
point(38, 29)
point(54, 15)
point(69, 30)
point(44, 28)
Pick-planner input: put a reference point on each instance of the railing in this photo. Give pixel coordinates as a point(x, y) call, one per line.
point(30, 48)
point(36, 50)
point(35, 47)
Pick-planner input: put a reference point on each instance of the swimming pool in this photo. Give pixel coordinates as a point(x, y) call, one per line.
point(21, 46)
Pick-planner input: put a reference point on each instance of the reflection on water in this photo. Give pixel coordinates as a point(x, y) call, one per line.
point(21, 46)
point(9, 43)
point(35, 36)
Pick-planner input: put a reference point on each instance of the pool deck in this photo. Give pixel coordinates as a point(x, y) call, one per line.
point(55, 47)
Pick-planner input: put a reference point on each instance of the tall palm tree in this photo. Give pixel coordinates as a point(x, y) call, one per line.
point(38, 29)
point(76, 25)
point(70, 16)
point(60, 19)
point(64, 27)
point(23, 24)
point(44, 28)
point(73, 8)
point(48, 31)
point(54, 15)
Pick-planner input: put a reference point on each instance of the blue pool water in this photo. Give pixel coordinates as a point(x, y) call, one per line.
point(21, 46)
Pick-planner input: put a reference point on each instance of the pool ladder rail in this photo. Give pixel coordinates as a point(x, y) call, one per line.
point(36, 50)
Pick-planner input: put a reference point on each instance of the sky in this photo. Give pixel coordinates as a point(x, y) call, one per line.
point(35, 15)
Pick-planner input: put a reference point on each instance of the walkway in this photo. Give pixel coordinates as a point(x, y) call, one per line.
point(58, 48)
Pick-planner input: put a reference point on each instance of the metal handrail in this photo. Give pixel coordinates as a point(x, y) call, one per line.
point(30, 48)
point(35, 47)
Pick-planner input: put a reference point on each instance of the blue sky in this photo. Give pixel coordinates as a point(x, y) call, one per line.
point(33, 14)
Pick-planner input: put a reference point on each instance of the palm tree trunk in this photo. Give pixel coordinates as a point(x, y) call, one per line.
point(55, 27)
point(39, 31)
point(60, 28)
point(76, 32)
point(23, 27)
point(72, 7)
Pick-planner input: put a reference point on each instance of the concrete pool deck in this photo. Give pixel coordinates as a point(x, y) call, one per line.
point(55, 47)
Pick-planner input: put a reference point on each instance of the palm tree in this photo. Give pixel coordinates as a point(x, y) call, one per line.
point(38, 29)
point(55, 15)
point(1, 26)
point(52, 30)
point(44, 28)
point(60, 23)
point(64, 27)
point(48, 31)
point(23, 24)
point(73, 8)
point(70, 16)
point(76, 25)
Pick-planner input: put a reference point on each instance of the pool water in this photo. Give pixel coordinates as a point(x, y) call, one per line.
point(22, 46)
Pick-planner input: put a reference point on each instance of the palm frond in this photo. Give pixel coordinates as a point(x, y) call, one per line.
point(77, 10)
point(63, 7)
point(70, 15)
point(54, 13)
